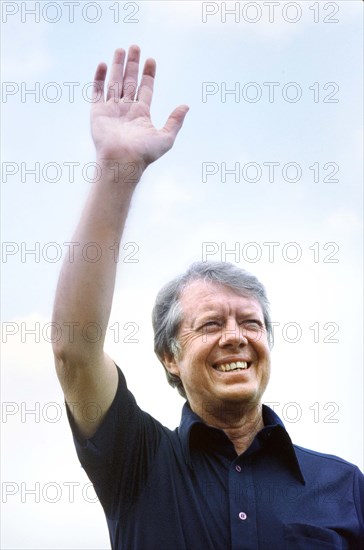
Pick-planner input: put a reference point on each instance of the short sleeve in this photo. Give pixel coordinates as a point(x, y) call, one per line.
point(118, 458)
point(358, 490)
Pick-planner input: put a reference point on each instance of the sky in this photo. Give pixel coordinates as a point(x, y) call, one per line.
point(266, 173)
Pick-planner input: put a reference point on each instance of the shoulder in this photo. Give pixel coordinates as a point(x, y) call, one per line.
point(326, 466)
point(316, 456)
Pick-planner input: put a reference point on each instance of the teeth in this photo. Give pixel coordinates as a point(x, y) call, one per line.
point(232, 366)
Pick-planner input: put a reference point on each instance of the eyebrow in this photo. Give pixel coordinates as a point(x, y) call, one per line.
point(205, 315)
point(245, 316)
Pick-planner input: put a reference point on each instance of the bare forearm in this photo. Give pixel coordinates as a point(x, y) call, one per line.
point(126, 143)
point(85, 288)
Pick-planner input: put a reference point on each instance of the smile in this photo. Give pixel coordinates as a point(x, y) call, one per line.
point(239, 365)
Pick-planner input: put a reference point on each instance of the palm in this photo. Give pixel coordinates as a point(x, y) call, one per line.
point(126, 129)
point(121, 127)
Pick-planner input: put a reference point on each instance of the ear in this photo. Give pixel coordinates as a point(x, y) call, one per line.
point(171, 363)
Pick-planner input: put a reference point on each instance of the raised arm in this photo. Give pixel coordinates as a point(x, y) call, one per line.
point(126, 143)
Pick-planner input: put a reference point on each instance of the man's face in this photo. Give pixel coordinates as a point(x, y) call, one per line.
point(220, 328)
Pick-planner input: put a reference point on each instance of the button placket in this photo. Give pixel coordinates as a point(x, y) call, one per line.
point(242, 502)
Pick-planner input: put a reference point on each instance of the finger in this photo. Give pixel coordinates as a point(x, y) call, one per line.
point(115, 85)
point(175, 120)
point(99, 83)
point(145, 92)
point(131, 73)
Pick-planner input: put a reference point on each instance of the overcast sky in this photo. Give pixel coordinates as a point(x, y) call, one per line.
point(265, 173)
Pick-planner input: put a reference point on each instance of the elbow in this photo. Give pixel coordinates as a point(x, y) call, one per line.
point(67, 358)
point(73, 358)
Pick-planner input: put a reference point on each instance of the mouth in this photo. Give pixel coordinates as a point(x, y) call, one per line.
point(232, 366)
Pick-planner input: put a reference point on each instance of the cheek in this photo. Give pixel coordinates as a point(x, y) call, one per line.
point(189, 341)
point(194, 363)
point(262, 347)
point(196, 347)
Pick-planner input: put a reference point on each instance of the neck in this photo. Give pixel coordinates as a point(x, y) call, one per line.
point(240, 426)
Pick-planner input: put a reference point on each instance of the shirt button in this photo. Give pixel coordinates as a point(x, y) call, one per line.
point(238, 468)
point(242, 515)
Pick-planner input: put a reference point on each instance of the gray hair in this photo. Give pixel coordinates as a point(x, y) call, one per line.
point(167, 312)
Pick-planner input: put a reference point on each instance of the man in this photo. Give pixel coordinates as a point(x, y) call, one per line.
point(229, 476)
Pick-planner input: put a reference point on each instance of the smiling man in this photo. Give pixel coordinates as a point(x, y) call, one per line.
point(229, 476)
point(220, 359)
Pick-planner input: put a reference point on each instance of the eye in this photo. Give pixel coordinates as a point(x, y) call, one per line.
point(210, 326)
point(252, 324)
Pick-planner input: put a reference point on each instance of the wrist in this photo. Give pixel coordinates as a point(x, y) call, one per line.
point(125, 170)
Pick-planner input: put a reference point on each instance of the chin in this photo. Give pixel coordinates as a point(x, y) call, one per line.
point(241, 397)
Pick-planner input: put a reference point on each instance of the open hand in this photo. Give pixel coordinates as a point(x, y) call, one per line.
point(120, 123)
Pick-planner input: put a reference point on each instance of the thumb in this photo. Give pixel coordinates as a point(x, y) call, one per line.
point(175, 120)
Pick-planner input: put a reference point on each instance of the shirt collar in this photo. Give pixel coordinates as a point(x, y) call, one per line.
point(188, 420)
point(274, 429)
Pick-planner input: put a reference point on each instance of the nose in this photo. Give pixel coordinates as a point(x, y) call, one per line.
point(232, 335)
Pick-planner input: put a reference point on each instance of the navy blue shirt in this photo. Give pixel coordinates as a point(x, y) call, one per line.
point(187, 489)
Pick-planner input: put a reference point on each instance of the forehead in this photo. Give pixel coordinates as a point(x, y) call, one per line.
point(205, 296)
